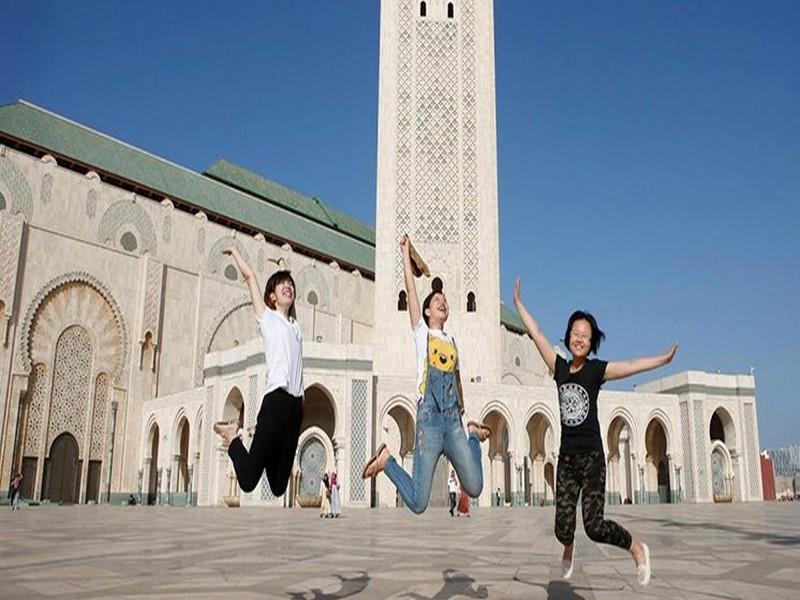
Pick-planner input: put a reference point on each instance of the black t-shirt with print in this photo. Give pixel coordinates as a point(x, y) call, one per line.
point(577, 400)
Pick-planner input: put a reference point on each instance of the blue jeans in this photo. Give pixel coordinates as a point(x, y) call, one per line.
point(438, 432)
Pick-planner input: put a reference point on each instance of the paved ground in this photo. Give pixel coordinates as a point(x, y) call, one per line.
point(699, 551)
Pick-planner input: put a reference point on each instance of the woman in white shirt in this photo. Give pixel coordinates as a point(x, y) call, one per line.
point(278, 424)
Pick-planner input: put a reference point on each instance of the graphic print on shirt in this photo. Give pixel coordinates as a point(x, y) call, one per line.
point(442, 355)
point(574, 402)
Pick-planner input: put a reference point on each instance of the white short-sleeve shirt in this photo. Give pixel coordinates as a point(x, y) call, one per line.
point(283, 351)
point(421, 342)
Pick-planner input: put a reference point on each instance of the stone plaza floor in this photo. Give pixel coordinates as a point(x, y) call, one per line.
point(698, 551)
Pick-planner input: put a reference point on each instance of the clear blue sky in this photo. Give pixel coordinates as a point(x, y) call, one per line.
point(649, 153)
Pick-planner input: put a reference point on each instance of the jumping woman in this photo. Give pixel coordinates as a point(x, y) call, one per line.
point(439, 405)
point(581, 461)
point(278, 425)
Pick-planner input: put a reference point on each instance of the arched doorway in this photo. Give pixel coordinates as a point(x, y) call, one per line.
point(318, 410)
point(721, 477)
point(726, 479)
point(540, 437)
point(182, 476)
point(657, 480)
point(312, 461)
point(499, 475)
point(152, 462)
point(62, 483)
point(619, 472)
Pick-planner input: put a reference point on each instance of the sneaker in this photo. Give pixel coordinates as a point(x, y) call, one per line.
point(567, 566)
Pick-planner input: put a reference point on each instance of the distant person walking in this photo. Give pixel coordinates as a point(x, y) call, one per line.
point(325, 497)
point(15, 491)
point(336, 497)
point(452, 488)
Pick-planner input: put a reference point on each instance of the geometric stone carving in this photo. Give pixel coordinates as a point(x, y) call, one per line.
point(10, 243)
point(126, 216)
point(703, 455)
point(36, 409)
point(70, 399)
point(217, 261)
point(310, 278)
point(752, 451)
point(47, 189)
point(15, 189)
point(75, 298)
point(358, 439)
point(469, 158)
point(101, 393)
point(91, 203)
point(151, 319)
point(403, 150)
point(688, 463)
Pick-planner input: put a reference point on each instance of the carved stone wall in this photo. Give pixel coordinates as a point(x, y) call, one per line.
point(70, 399)
point(127, 216)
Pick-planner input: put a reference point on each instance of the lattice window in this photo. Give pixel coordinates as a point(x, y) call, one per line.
point(71, 384)
point(21, 198)
point(36, 409)
point(688, 462)
point(91, 204)
point(358, 433)
point(126, 215)
point(403, 150)
point(702, 455)
point(753, 463)
point(469, 156)
point(436, 133)
point(101, 389)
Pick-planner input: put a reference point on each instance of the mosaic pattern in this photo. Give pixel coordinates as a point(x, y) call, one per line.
point(124, 215)
point(469, 155)
point(91, 204)
point(436, 132)
point(71, 381)
point(101, 389)
point(358, 437)
point(152, 307)
point(403, 151)
point(47, 189)
point(20, 197)
point(313, 460)
point(36, 410)
point(752, 451)
point(702, 455)
point(688, 462)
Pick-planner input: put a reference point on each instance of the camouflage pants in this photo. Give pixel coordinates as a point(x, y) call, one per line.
point(585, 474)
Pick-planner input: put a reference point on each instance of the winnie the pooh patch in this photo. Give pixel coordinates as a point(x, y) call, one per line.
point(442, 355)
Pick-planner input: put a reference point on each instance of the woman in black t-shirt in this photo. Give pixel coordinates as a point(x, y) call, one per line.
point(581, 461)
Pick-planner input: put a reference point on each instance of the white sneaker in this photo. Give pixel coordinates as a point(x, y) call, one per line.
point(643, 570)
point(568, 565)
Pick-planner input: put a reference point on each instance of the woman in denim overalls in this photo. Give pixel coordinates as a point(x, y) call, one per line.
point(439, 406)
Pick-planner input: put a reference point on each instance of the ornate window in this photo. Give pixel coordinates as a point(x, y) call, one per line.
point(423, 9)
point(449, 10)
point(402, 301)
point(437, 285)
point(471, 306)
point(231, 273)
point(312, 298)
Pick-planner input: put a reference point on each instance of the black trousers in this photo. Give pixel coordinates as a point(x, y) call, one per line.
point(453, 502)
point(274, 443)
point(585, 474)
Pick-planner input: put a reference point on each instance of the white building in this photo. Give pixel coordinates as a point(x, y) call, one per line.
point(126, 331)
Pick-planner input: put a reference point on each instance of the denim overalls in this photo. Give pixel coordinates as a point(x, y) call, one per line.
point(439, 431)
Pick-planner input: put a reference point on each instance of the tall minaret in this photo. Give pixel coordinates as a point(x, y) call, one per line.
point(437, 180)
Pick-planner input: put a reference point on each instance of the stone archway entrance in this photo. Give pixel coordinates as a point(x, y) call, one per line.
point(62, 479)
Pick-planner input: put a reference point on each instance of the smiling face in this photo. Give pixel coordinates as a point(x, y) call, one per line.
point(580, 338)
point(279, 293)
point(437, 310)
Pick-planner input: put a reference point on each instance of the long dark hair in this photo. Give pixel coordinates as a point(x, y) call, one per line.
point(597, 333)
point(276, 278)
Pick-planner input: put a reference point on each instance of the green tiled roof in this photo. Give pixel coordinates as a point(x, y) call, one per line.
point(511, 319)
point(104, 154)
point(313, 208)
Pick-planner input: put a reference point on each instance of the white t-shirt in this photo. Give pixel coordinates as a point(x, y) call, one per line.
point(452, 487)
point(283, 351)
point(450, 352)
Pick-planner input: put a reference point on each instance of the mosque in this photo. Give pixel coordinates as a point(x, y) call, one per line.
point(126, 332)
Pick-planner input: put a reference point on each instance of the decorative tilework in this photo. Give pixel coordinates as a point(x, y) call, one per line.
point(47, 189)
point(469, 155)
point(359, 456)
point(688, 462)
point(10, 242)
point(702, 455)
point(403, 151)
point(36, 410)
point(91, 204)
point(101, 390)
point(71, 380)
point(217, 261)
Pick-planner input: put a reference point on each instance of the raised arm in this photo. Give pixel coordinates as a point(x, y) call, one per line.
point(542, 344)
point(250, 279)
point(414, 312)
point(622, 369)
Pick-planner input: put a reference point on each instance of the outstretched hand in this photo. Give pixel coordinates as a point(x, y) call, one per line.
point(405, 243)
point(671, 352)
point(229, 250)
point(517, 292)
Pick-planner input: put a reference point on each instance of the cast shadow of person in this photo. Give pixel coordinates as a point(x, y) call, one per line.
point(454, 584)
point(350, 586)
